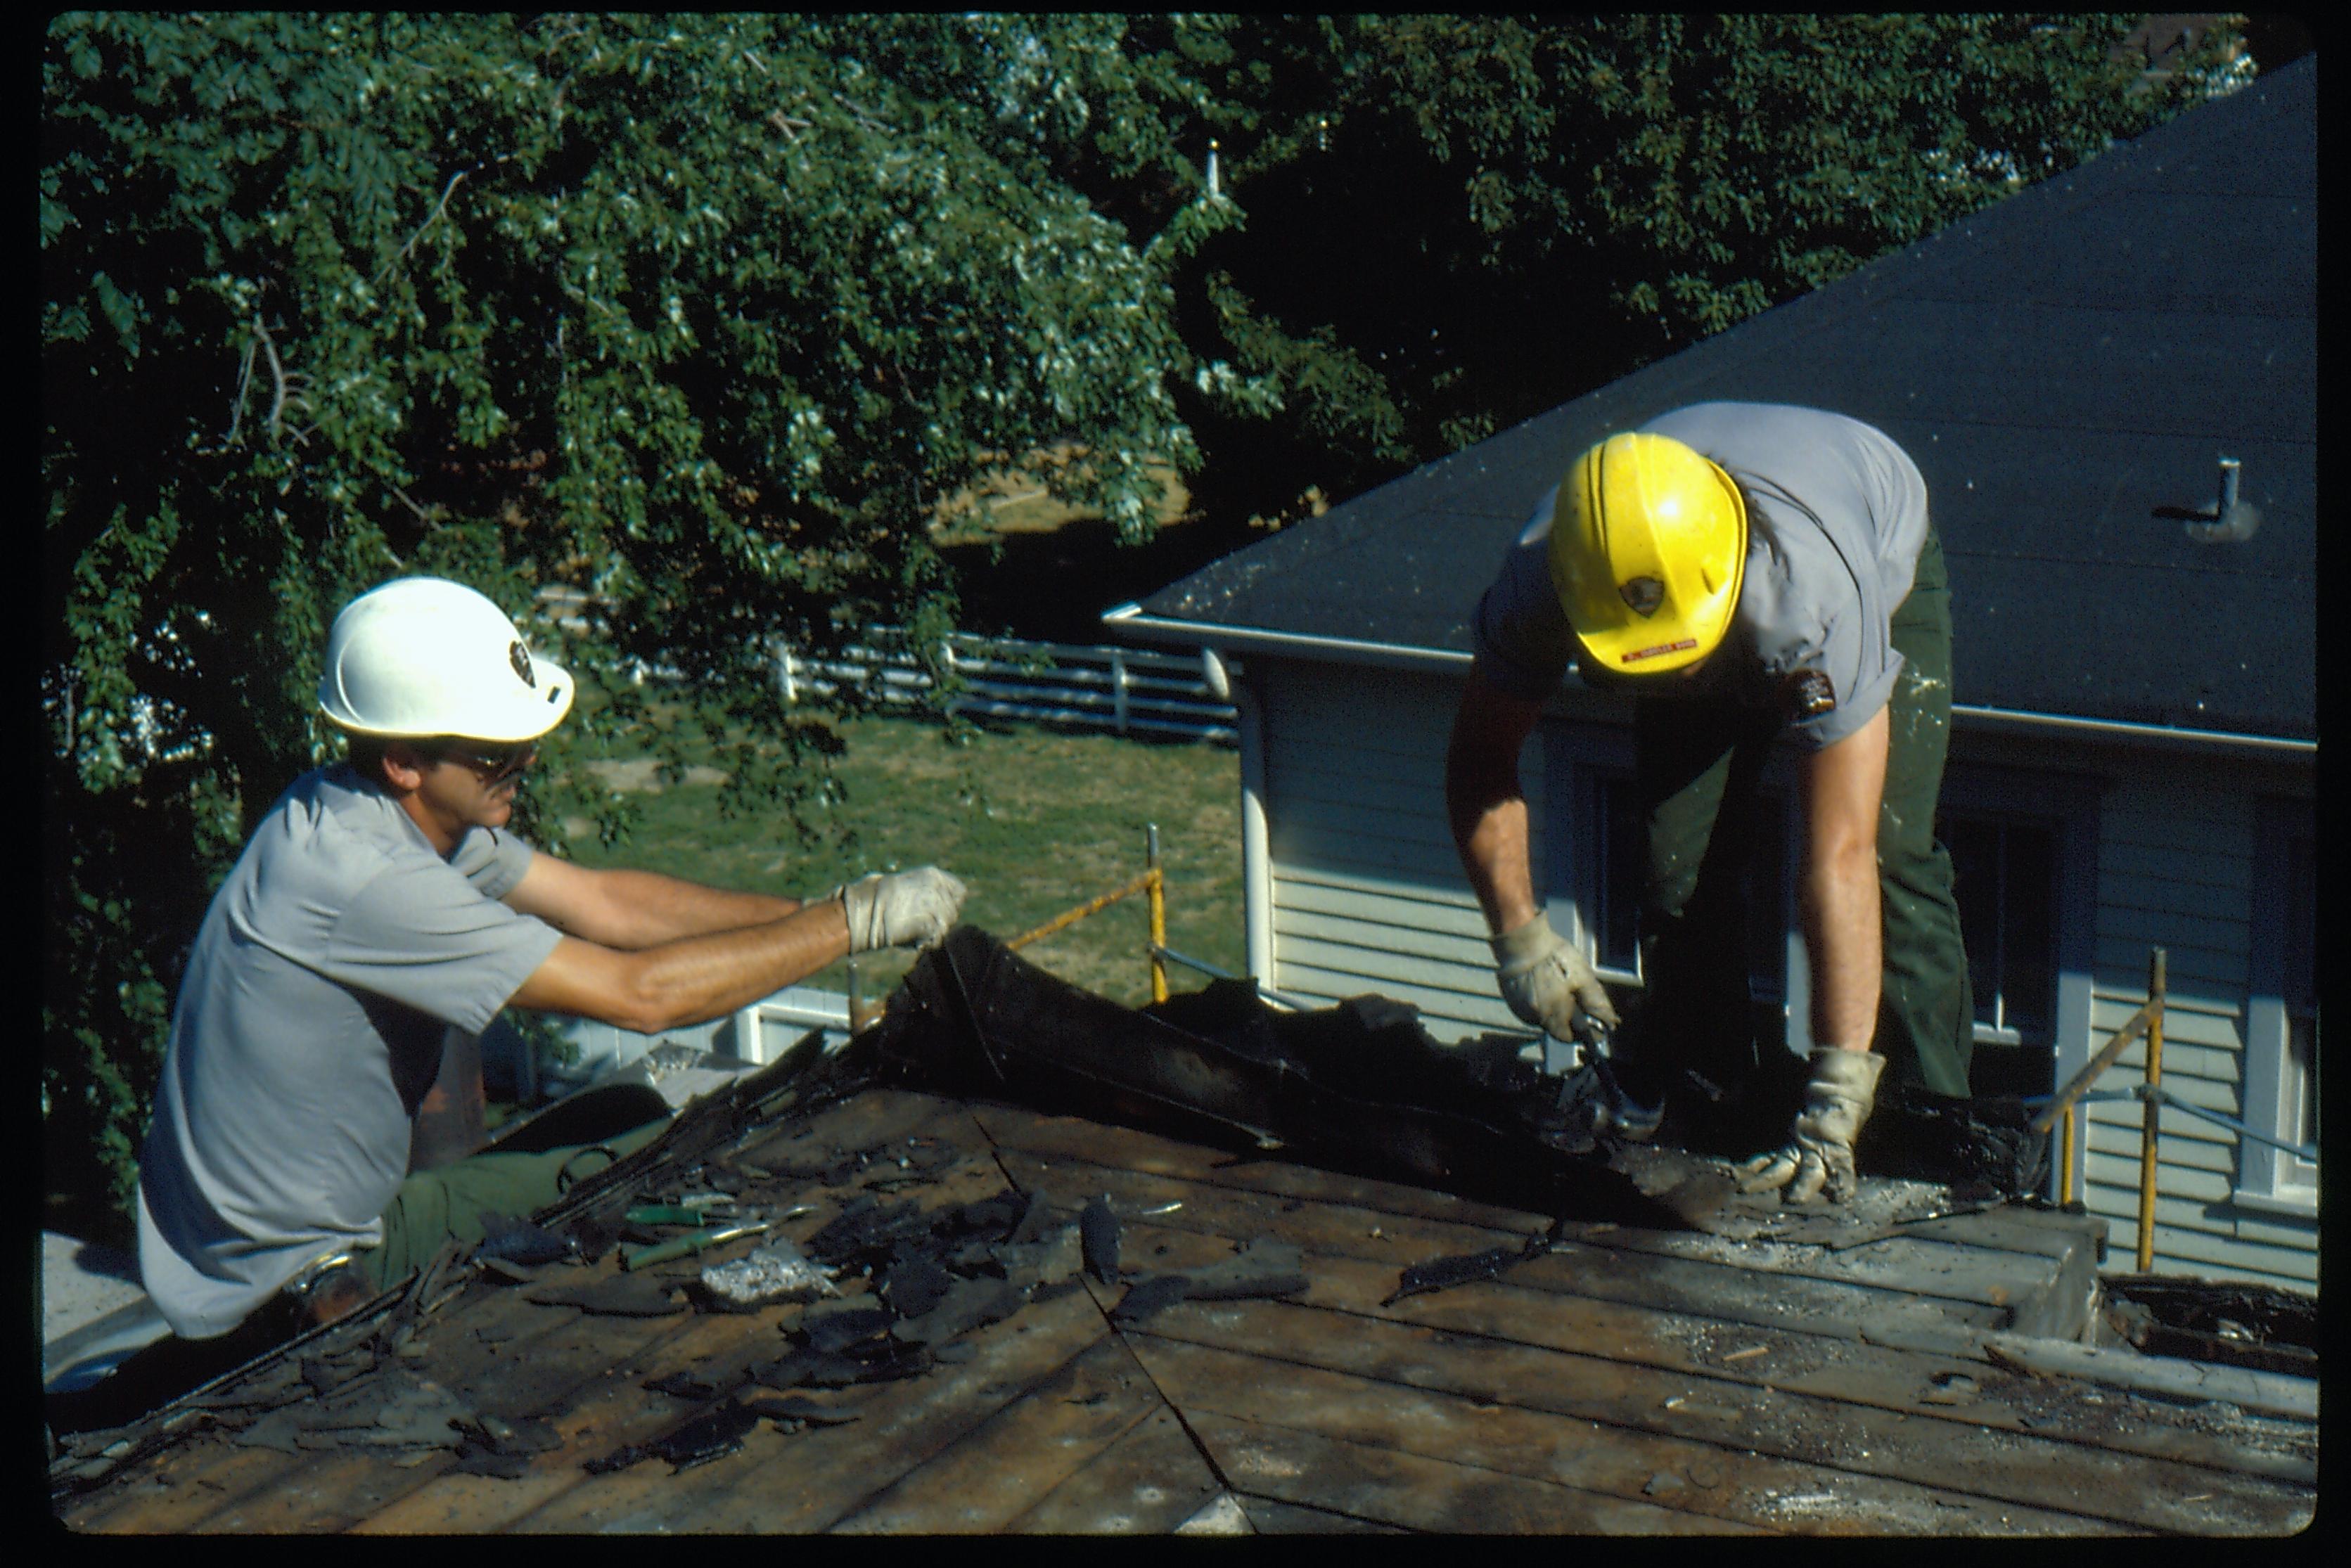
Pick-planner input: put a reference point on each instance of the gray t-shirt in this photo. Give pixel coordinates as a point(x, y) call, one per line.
point(329, 968)
point(1836, 518)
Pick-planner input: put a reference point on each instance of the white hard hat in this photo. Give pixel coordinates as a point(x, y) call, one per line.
point(422, 657)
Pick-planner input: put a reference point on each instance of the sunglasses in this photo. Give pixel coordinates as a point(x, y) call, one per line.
point(495, 764)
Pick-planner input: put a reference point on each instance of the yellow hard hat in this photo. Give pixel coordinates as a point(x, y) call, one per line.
point(1649, 543)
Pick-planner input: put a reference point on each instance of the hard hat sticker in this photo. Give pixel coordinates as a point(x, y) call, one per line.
point(519, 657)
point(1644, 594)
point(1662, 648)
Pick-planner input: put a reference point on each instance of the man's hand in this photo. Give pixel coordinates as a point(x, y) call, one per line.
point(910, 909)
point(1819, 1151)
point(1547, 983)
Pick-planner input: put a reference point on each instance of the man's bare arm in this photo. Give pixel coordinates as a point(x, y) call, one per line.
point(633, 910)
point(1841, 787)
point(689, 981)
point(1485, 804)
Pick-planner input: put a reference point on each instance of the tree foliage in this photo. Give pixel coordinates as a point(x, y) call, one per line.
point(682, 327)
point(695, 318)
point(1492, 214)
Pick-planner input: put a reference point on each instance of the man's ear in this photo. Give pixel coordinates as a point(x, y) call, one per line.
point(403, 765)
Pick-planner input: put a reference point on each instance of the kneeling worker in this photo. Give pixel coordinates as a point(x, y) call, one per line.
point(382, 903)
point(1748, 572)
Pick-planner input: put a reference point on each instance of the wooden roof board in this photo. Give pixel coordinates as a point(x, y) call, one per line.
point(1628, 1382)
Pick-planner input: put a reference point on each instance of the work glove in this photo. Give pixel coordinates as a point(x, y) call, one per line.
point(907, 909)
point(1819, 1151)
point(1548, 984)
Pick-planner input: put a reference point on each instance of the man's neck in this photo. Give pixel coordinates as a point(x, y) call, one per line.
point(442, 836)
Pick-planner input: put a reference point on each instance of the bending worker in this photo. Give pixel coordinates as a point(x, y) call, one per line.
point(382, 905)
point(1748, 572)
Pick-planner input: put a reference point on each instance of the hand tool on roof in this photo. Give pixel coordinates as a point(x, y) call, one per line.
point(678, 1214)
point(687, 1245)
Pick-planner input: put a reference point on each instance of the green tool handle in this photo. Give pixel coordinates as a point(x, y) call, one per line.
point(667, 1214)
point(684, 1246)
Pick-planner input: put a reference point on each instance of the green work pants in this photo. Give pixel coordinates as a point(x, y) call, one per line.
point(1697, 767)
point(433, 1206)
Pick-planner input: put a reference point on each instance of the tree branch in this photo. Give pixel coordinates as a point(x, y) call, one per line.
point(438, 208)
point(421, 515)
point(243, 384)
point(277, 371)
point(865, 116)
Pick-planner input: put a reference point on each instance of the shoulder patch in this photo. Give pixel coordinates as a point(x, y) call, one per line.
point(1807, 694)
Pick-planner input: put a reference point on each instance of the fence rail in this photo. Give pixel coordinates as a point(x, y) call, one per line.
point(1125, 690)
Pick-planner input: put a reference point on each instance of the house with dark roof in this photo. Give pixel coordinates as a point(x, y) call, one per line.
point(2109, 382)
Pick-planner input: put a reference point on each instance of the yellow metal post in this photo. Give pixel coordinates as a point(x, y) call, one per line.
point(2146, 1149)
point(2065, 1190)
point(1158, 913)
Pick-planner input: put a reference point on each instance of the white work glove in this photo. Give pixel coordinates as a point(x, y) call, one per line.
point(908, 909)
point(1819, 1151)
point(1548, 984)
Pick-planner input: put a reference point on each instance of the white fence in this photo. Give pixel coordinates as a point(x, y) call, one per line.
point(1121, 689)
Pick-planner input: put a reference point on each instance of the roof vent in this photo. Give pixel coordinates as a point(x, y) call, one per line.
point(2229, 521)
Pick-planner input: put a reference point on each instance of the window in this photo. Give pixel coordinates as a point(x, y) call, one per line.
point(2023, 847)
point(1620, 851)
point(1619, 855)
point(2300, 1122)
point(2005, 880)
point(2281, 1072)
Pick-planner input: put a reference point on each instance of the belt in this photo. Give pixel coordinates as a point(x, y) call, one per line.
point(327, 1288)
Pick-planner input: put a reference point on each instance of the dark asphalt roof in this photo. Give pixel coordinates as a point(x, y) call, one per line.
point(2064, 366)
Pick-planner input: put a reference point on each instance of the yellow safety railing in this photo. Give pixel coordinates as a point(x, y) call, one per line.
point(864, 1014)
point(2061, 1107)
point(1152, 883)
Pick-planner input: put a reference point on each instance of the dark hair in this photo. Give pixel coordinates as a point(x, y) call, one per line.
point(366, 754)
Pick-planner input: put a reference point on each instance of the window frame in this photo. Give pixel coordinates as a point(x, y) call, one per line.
point(1579, 754)
point(1576, 755)
point(2270, 1094)
point(2067, 804)
point(1579, 759)
point(2005, 1032)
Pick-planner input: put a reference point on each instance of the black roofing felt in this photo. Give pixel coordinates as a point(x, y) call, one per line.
point(2062, 366)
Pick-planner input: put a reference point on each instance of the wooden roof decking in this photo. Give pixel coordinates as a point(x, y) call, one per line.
point(1627, 1382)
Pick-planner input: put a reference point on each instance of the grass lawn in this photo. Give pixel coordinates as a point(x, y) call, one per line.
point(1034, 820)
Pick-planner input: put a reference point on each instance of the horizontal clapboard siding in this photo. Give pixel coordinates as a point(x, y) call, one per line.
point(2186, 1240)
point(1440, 1010)
point(1451, 910)
point(1406, 941)
point(2118, 863)
point(2176, 871)
point(1368, 891)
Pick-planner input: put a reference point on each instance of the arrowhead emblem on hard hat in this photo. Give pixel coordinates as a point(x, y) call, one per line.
point(519, 657)
point(1644, 594)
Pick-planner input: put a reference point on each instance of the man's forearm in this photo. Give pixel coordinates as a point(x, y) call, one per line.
point(645, 909)
point(1492, 842)
point(697, 979)
point(1485, 805)
point(1845, 940)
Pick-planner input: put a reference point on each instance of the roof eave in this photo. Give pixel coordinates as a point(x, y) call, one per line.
point(1129, 620)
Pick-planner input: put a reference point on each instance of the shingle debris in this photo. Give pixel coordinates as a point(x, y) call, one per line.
point(1098, 1229)
point(1444, 1273)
